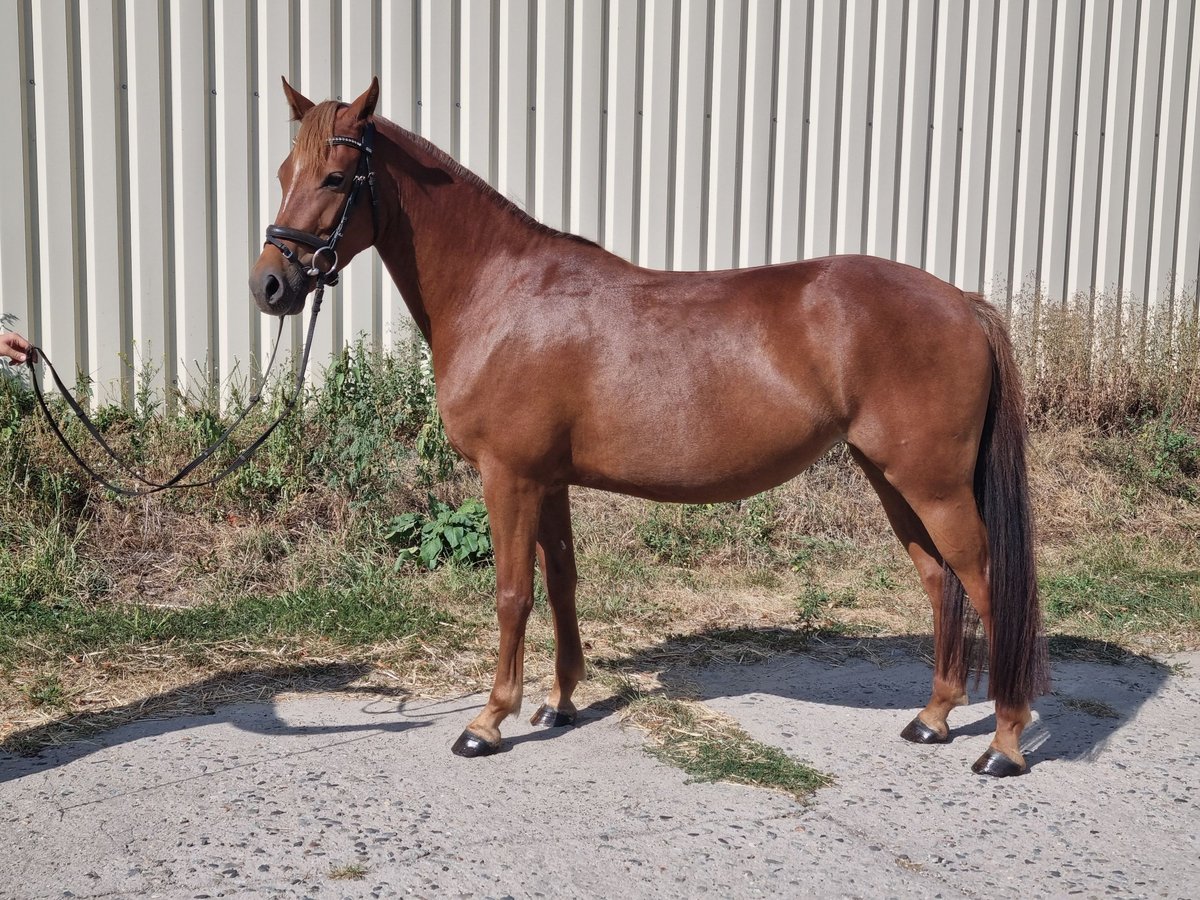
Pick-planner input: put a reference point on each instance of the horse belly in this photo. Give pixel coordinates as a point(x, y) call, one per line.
point(700, 452)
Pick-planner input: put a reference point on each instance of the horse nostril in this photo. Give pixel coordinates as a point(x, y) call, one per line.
point(273, 289)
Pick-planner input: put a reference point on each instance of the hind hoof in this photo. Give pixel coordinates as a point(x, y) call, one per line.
point(920, 733)
point(551, 717)
point(472, 745)
point(997, 764)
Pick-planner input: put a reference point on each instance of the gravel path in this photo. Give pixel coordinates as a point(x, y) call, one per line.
point(341, 795)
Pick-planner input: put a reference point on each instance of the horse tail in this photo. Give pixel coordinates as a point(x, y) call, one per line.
point(1019, 667)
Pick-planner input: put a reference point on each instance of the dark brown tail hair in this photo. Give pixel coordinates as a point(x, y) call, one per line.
point(1018, 665)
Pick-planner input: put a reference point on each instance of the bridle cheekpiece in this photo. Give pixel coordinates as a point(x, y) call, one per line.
point(364, 175)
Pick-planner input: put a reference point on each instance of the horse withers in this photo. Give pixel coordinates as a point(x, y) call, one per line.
point(560, 364)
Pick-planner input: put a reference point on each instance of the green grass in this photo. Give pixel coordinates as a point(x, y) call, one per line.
point(366, 613)
point(1122, 587)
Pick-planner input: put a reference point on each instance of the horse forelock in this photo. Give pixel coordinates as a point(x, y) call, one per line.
point(312, 141)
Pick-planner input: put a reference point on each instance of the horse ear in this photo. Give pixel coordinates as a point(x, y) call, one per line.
point(297, 101)
point(364, 106)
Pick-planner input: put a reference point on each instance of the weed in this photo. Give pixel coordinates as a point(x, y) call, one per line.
point(46, 690)
point(681, 535)
point(444, 534)
point(348, 872)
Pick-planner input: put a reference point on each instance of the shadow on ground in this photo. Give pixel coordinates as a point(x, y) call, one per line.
point(214, 699)
point(1097, 687)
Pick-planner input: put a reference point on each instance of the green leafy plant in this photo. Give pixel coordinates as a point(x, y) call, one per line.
point(444, 534)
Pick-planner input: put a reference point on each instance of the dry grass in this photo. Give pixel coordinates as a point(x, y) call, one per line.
point(671, 587)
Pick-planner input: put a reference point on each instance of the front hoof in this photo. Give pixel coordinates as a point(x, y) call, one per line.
point(998, 765)
point(472, 745)
point(920, 733)
point(551, 717)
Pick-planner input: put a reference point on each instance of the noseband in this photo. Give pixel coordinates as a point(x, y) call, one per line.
point(277, 234)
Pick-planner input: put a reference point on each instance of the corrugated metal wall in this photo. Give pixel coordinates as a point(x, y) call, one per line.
point(997, 144)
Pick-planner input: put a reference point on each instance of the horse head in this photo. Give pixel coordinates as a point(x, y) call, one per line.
point(329, 212)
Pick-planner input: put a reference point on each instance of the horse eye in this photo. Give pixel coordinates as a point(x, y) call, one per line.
point(333, 180)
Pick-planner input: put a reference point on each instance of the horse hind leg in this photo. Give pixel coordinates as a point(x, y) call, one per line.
point(556, 556)
point(953, 522)
point(930, 726)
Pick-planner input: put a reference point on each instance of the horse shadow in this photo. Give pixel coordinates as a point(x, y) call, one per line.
point(244, 700)
point(1097, 687)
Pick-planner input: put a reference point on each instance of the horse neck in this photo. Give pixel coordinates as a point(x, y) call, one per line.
point(444, 230)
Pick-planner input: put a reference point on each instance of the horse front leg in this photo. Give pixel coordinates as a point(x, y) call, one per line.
point(514, 506)
point(556, 555)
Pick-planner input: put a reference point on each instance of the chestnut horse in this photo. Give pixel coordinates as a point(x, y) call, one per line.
point(561, 364)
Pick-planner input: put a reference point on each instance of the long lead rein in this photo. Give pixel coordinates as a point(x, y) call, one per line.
point(176, 481)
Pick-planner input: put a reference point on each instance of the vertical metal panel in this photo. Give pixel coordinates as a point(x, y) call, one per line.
point(16, 213)
point(1169, 177)
point(1143, 152)
point(476, 114)
point(191, 263)
point(149, 206)
point(1089, 128)
point(821, 178)
point(1187, 254)
point(945, 138)
point(687, 251)
point(623, 133)
point(978, 78)
point(586, 201)
point(1061, 147)
point(725, 104)
point(656, 114)
point(1004, 148)
point(515, 99)
point(913, 165)
point(755, 188)
point(886, 120)
point(791, 91)
point(438, 114)
point(854, 139)
point(1038, 54)
point(1115, 158)
point(552, 115)
point(988, 142)
point(103, 190)
point(59, 290)
point(237, 318)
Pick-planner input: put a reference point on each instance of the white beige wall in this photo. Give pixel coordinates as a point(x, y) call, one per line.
point(997, 144)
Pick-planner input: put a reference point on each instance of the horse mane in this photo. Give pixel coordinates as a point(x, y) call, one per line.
point(458, 172)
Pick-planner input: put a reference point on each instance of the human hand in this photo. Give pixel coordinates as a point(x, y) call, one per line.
point(14, 346)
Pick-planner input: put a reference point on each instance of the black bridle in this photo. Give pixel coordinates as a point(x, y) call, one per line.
point(365, 175)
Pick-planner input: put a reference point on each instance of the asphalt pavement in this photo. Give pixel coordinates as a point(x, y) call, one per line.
point(351, 795)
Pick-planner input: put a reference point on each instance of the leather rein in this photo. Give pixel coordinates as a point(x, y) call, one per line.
point(276, 234)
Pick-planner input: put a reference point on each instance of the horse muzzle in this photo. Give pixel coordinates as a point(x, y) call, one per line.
point(279, 290)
